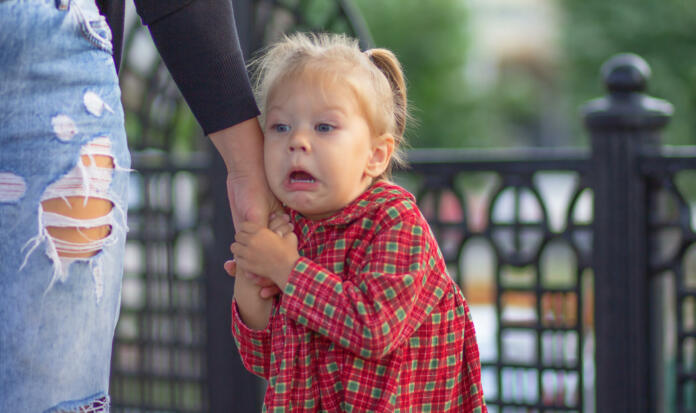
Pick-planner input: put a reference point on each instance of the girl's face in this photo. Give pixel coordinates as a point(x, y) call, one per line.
point(319, 152)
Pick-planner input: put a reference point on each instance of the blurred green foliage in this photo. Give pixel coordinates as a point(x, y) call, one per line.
point(663, 32)
point(432, 41)
point(527, 105)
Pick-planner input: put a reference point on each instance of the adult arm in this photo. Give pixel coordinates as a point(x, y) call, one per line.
point(198, 42)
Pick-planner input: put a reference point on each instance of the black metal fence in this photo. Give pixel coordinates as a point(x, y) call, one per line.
point(515, 230)
point(579, 265)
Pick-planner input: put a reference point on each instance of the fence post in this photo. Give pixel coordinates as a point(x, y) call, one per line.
point(623, 125)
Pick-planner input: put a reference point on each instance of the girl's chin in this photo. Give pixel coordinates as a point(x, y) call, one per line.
point(310, 213)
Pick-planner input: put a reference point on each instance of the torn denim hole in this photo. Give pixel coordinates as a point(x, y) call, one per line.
point(12, 187)
point(68, 251)
point(86, 179)
point(97, 403)
point(64, 127)
point(94, 104)
point(63, 222)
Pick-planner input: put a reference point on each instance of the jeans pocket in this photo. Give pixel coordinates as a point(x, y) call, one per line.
point(94, 29)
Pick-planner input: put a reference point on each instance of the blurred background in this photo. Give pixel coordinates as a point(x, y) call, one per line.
point(482, 75)
point(492, 73)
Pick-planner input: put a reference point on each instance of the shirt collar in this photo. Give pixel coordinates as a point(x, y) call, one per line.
point(376, 195)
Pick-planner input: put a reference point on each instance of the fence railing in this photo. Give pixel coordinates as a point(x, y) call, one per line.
point(515, 231)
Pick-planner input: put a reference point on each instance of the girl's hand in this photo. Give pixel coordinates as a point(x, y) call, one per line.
point(280, 224)
point(264, 252)
point(267, 288)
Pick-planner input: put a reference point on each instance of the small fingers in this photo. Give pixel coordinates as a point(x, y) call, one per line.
point(253, 277)
point(236, 248)
point(280, 223)
point(240, 265)
point(264, 282)
point(268, 292)
point(230, 267)
point(291, 236)
point(249, 227)
point(283, 230)
point(241, 238)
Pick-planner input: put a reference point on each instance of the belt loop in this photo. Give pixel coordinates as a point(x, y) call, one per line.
point(63, 5)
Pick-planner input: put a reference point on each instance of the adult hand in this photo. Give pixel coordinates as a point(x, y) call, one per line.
point(241, 147)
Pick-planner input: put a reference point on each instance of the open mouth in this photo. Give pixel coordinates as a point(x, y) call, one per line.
point(301, 177)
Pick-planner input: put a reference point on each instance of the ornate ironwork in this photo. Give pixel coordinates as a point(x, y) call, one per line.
point(672, 229)
point(516, 234)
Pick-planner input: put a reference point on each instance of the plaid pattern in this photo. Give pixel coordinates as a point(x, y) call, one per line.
point(369, 320)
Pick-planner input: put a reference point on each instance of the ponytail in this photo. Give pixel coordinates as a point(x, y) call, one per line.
point(387, 63)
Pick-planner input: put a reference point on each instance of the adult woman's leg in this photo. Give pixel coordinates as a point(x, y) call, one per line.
point(63, 177)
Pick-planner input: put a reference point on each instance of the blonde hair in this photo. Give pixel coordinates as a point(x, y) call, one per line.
point(375, 76)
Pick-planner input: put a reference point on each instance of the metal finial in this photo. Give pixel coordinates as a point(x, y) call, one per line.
point(626, 72)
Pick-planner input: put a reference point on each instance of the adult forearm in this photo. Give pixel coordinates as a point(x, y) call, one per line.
point(198, 42)
point(241, 147)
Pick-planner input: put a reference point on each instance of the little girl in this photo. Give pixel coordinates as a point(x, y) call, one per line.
point(368, 319)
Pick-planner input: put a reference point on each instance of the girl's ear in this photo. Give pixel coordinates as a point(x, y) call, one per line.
point(382, 150)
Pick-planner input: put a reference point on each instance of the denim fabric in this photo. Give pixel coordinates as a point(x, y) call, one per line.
point(59, 104)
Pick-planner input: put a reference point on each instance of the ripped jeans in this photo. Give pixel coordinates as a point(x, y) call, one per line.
point(63, 176)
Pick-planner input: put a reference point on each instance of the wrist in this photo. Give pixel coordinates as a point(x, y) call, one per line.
point(284, 275)
point(241, 147)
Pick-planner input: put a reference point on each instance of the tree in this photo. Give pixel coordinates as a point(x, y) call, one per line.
point(431, 41)
point(661, 31)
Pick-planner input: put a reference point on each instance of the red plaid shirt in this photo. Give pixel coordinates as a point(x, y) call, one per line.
point(369, 320)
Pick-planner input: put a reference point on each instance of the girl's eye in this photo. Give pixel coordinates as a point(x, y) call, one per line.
point(324, 127)
point(280, 127)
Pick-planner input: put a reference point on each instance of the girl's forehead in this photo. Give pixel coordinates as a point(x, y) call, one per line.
point(322, 86)
point(332, 84)
point(324, 74)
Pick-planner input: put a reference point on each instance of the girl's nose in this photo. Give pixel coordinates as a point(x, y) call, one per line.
point(299, 142)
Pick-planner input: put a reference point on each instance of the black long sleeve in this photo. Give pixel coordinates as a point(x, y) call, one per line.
point(198, 42)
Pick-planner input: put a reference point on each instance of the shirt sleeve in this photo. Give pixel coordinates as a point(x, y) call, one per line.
point(254, 345)
point(199, 44)
point(375, 311)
